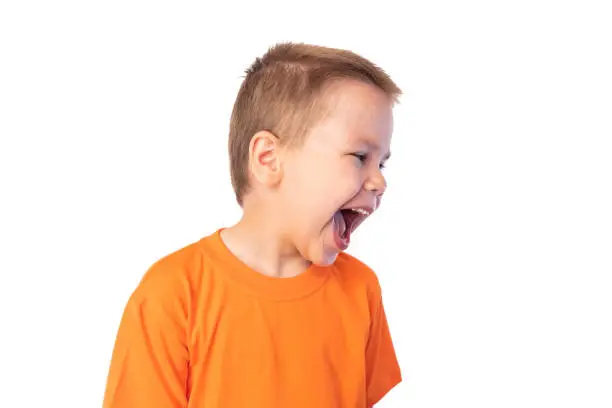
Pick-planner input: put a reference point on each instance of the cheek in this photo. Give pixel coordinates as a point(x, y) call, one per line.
point(315, 190)
point(350, 177)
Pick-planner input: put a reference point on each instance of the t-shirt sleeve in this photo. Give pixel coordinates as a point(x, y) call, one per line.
point(382, 368)
point(149, 362)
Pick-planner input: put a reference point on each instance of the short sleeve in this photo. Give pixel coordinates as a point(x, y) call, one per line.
point(149, 363)
point(382, 368)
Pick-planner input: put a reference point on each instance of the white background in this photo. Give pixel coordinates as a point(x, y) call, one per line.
point(494, 241)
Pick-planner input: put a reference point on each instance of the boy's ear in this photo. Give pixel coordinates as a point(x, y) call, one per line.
point(264, 158)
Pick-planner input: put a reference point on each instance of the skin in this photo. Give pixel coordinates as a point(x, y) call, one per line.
point(287, 219)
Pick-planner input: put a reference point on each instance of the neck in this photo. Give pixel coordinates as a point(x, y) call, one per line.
point(262, 243)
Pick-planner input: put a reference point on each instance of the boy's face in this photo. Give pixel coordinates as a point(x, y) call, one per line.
point(332, 182)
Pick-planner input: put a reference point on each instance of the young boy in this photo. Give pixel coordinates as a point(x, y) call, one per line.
point(271, 312)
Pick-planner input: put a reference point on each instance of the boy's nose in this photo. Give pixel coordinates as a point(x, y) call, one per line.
point(376, 184)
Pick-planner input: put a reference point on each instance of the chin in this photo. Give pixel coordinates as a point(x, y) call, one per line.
point(319, 252)
point(324, 258)
point(325, 261)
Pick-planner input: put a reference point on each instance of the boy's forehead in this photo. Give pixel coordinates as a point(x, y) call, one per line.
point(365, 122)
point(362, 106)
point(355, 95)
point(356, 115)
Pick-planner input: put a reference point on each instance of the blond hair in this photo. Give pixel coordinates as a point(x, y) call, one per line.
point(282, 93)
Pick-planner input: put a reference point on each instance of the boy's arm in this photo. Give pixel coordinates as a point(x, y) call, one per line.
point(149, 363)
point(383, 371)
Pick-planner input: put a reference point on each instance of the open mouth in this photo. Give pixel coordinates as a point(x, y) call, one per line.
point(346, 221)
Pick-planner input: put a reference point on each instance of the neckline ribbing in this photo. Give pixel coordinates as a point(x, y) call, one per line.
point(263, 285)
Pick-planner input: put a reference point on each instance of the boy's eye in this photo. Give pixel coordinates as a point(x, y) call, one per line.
point(362, 157)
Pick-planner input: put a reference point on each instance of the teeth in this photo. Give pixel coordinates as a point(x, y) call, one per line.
point(360, 211)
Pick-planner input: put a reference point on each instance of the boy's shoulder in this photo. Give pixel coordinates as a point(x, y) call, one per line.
point(171, 274)
point(353, 271)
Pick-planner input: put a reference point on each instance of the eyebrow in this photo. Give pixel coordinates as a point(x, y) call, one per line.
point(376, 147)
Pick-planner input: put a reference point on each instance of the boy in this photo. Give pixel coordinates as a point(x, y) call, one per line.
point(271, 312)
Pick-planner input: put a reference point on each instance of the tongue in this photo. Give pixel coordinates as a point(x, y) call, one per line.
point(340, 224)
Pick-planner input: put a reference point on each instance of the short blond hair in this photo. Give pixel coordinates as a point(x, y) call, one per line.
point(282, 92)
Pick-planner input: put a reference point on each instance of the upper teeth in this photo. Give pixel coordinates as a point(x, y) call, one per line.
point(360, 211)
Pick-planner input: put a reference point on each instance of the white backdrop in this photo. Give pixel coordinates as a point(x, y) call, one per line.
point(493, 243)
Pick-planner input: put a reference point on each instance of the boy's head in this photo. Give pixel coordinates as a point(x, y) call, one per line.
point(309, 134)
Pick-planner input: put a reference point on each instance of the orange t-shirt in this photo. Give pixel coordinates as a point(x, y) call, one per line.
point(203, 330)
